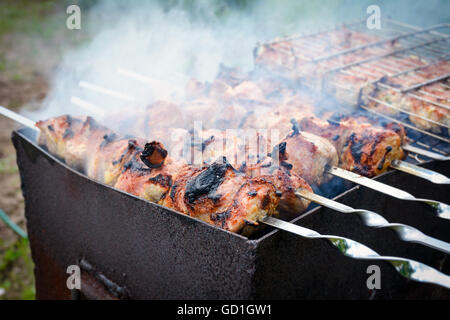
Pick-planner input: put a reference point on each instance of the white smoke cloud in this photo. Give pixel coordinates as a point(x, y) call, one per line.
point(192, 38)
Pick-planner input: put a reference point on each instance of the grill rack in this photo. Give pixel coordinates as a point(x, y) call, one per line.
point(400, 41)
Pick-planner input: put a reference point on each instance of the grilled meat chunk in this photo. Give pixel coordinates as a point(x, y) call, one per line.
point(148, 183)
point(362, 147)
point(68, 137)
point(220, 195)
point(307, 155)
point(251, 159)
point(286, 182)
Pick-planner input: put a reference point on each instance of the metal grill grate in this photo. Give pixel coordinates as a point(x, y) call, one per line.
point(358, 66)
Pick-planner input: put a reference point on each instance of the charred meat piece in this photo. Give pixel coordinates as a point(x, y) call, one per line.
point(222, 196)
point(70, 138)
point(362, 147)
point(151, 184)
point(249, 154)
point(286, 183)
point(105, 157)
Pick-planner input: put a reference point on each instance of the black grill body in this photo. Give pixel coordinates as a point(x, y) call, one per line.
point(130, 248)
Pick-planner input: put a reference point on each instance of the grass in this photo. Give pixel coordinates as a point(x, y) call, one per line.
point(32, 19)
point(8, 165)
point(24, 16)
point(16, 267)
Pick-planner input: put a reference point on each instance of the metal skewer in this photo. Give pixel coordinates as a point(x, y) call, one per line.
point(87, 106)
point(442, 210)
point(17, 117)
point(430, 175)
point(113, 93)
point(408, 268)
point(372, 219)
point(426, 153)
point(165, 89)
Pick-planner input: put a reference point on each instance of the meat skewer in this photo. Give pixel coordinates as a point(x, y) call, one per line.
point(429, 175)
point(357, 138)
point(294, 152)
point(298, 163)
point(205, 182)
point(407, 147)
point(344, 137)
point(307, 158)
point(146, 170)
point(417, 271)
point(442, 210)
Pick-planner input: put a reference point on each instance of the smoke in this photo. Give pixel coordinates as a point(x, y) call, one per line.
point(175, 40)
point(169, 41)
point(170, 45)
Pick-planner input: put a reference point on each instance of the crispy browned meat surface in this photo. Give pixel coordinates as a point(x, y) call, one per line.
point(217, 194)
point(286, 181)
point(223, 196)
point(362, 147)
point(107, 157)
point(307, 155)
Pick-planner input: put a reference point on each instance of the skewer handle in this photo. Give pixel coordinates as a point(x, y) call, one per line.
point(408, 268)
point(441, 210)
point(17, 117)
point(426, 153)
point(420, 172)
point(371, 184)
point(373, 219)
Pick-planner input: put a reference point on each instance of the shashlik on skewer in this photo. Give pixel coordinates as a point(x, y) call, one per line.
point(297, 108)
point(350, 248)
point(441, 209)
point(299, 158)
point(217, 194)
point(362, 147)
point(296, 102)
point(235, 200)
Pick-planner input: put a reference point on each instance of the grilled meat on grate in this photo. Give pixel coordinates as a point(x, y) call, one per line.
point(217, 194)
